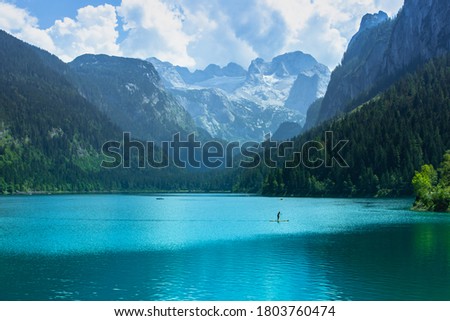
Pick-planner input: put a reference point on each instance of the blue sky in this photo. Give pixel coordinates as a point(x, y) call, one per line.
point(190, 33)
point(49, 11)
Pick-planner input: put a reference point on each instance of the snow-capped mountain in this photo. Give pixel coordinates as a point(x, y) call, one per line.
point(271, 83)
point(227, 117)
point(228, 78)
point(232, 103)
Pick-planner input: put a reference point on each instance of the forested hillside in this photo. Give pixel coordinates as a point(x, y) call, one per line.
point(51, 137)
point(382, 51)
point(390, 137)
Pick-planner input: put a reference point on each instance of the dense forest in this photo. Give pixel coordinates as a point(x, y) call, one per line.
point(51, 138)
point(49, 135)
point(389, 137)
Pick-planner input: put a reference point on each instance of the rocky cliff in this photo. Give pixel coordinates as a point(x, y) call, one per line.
point(383, 50)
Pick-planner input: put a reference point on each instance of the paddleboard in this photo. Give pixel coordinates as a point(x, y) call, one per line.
point(279, 221)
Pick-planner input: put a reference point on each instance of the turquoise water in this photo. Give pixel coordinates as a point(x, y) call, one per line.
point(220, 247)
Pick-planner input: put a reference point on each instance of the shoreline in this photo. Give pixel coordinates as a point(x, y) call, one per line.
point(37, 193)
point(166, 192)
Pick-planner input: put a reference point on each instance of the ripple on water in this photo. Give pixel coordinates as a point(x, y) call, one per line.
point(124, 247)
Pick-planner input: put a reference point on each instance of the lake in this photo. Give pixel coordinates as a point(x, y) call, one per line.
point(220, 247)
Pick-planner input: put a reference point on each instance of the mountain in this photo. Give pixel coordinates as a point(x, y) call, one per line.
point(232, 70)
point(287, 131)
point(227, 78)
point(272, 83)
point(50, 136)
point(169, 75)
point(225, 117)
point(421, 32)
point(307, 88)
point(234, 104)
point(130, 93)
point(312, 115)
point(383, 50)
point(360, 66)
point(389, 138)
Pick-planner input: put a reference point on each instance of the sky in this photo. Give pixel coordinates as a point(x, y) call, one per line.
point(191, 33)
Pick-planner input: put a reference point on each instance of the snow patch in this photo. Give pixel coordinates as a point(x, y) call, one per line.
point(132, 88)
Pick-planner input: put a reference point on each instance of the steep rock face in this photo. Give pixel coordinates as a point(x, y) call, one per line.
point(272, 83)
point(308, 87)
point(130, 93)
point(303, 93)
point(312, 115)
point(383, 50)
point(210, 109)
point(370, 21)
point(360, 66)
point(230, 118)
point(169, 76)
point(421, 32)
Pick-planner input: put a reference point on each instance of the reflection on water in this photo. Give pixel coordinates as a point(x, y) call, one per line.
point(216, 250)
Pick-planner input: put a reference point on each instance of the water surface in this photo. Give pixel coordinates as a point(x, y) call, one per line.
point(220, 247)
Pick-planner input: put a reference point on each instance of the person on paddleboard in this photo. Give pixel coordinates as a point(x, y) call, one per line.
point(278, 216)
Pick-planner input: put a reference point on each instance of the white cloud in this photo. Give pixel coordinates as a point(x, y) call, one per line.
point(154, 29)
point(255, 23)
point(213, 38)
point(239, 31)
point(391, 7)
point(324, 28)
point(196, 33)
point(92, 31)
point(24, 26)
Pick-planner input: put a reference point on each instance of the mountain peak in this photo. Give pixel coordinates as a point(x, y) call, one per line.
point(233, 69)
point(94, 59)
point(213, 70)
point(370, 21)
point(232, 103)
point(383, 50)
point(294, 55)
point(291, 63)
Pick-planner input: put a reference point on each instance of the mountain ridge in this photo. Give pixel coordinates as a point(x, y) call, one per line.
point(267, 90)
point(129, 91)
point(50, 136)
point(379, 55)
point(388, 138)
